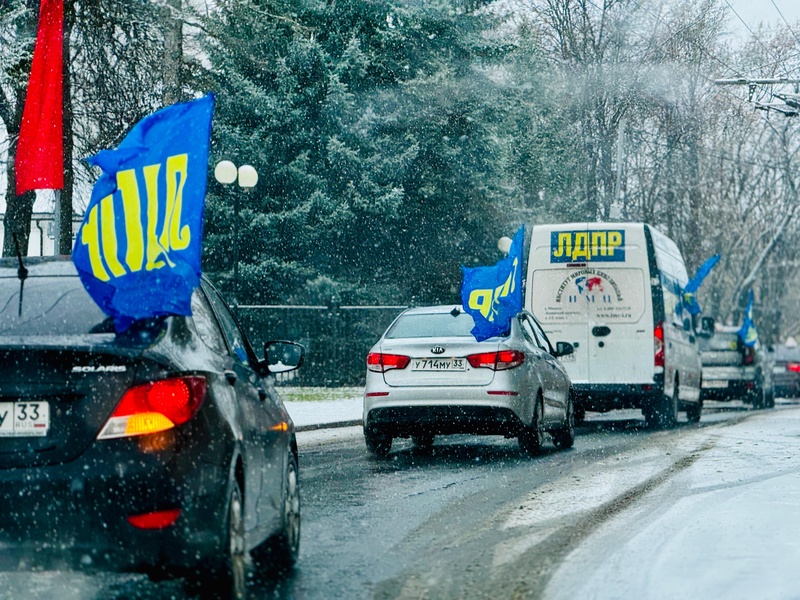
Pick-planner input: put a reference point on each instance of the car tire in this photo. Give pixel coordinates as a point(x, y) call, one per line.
point(769, 402)
point(694, 410)
point(379, 443)
point(579, 415)
point(564, 437)
point(664, 415)
point(226, 575)
point(423, 441)
point(278, 555)
point(757, 398)
point(531, 438)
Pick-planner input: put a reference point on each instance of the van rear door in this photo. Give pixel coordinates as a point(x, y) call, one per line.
point(589, 283)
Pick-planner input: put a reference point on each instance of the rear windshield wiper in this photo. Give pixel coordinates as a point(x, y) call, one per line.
point(22, 273)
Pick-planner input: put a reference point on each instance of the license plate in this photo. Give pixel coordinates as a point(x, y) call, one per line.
point(24, 419)
point(439, 364)
point(715, 383)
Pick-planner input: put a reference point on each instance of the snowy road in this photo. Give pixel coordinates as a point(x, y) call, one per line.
point(705, 511)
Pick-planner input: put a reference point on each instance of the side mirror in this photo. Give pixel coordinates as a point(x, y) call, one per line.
point(564, 349)
point(282, 357)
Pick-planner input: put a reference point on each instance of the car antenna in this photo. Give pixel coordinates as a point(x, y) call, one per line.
point(22, 273)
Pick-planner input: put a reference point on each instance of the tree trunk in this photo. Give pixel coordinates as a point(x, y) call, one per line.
point(19, 209)
point(64, 226)
point(173, 52)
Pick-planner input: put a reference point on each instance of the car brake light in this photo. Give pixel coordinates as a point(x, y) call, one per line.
point(658, 345)
point(155, 406)
point(793, 367)
point(749, 355)
point(380, 362)
point(155, 520)
point(497, 361)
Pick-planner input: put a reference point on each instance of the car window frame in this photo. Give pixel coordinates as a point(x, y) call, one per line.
point(221, 310)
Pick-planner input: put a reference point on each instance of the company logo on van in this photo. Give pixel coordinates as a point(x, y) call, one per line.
point(606, 245)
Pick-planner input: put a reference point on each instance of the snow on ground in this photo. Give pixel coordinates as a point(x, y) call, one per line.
point(726, 526)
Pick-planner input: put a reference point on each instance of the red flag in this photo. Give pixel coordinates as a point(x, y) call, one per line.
point(40, 155)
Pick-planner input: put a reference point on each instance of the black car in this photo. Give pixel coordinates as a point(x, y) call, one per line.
point(163, 448)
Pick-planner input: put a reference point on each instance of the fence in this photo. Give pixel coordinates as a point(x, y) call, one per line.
point(337, 338)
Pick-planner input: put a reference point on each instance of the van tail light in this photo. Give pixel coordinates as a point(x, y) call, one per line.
point(155, 406)
point(749, 355)
point(658, 345)
point(380, 362)
point(497, 361)
point(793, 367)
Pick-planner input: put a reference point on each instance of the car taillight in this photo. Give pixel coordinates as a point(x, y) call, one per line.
point(793, 367)
point(497, 361)
point(749, 355)
point(658, 345)
point(155, 520)
point(155, 406)
point(380, 362)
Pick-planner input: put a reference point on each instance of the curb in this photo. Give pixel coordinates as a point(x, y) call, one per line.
point(318, 426)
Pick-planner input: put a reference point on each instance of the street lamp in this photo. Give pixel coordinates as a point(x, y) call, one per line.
point(226, 173)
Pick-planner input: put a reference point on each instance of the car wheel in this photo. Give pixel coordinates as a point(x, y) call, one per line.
point(531, 438)
point(227, 578)
point(758, 397)
point(770, 399)
point(378, 442)
point(279, 554)
point(423, 441)
point(665, 414)
point(694, 411)
point(579, 415)
point(564, 438)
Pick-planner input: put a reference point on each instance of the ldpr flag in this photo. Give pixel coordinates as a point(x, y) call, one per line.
point(493, 295)
point(39, 162)
point(689, 299)
point(748, 332)
point(138, 248)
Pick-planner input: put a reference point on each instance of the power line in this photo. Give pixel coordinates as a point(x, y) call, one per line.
point(785, 21)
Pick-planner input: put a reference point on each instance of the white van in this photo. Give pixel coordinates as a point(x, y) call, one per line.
point(611, 290)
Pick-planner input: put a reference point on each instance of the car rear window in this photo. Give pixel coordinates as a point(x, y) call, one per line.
point(431, 325)
point(720, 341)
point(50, 306)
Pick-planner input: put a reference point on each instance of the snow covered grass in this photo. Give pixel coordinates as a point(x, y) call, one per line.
point(315, 394)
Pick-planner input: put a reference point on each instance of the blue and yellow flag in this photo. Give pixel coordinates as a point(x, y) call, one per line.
point(689, 299)
point(493, 295)
point(138, 249)
point(748, 333)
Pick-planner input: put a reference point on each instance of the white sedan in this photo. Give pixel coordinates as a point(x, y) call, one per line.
point(428, 376)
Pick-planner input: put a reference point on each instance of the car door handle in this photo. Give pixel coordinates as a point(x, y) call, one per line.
point(600, 331)
point(231, 376)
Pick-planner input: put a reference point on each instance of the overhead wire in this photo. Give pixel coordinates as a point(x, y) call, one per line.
point(785, 21)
